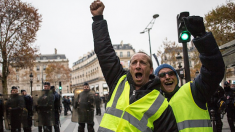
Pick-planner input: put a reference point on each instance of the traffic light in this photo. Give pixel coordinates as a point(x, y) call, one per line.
point(60, 87)
point(183, 34)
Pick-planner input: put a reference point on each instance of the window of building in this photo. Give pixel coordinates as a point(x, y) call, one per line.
point(96, 88)
point(38, 87)
point(128, 54)
point(17, 77)
point(121, 55)
point(105, 88)
point(38, 77)
point(44, 67)
point(58, 57)
point(44, 58)
point(38, 68)
point(44, 77)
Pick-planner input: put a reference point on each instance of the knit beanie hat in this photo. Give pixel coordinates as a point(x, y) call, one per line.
point(166, 66)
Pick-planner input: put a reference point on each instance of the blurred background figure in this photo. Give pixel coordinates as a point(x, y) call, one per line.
point(1, 113)
point(217, 103)
point(230, 94)
point(68, 104)
point(65, 104)
point(29, 106)
point(97, 103)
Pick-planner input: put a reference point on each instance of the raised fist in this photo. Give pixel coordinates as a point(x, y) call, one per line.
point(97, 8)
point(195, 25)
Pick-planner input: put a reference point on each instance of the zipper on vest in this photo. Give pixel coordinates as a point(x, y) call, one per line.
point(133, 92)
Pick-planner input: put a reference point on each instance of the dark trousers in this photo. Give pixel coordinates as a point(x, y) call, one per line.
point(230, 118)
point(45, 128)
point(1, 124)
point(29, 123)
point(15, 129)
point(81, 127)
point(69, 109)
point(65, 110)
point(57, 122)
point(98, 111)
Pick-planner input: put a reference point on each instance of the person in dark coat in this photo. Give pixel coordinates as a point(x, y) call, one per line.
point(230, 97)
point(29, 106)
point(15, 106)
point(140, 77)
point(57, 109)
point(68, 105)
point(46, 109)
point(1, 113)
point(65, 104)
point(97, 103)
point(218, 105)
point(85, 105)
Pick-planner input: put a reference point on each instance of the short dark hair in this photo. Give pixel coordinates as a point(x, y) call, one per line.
point(85, 83)
point(23, 90)
point(52, 87)
point(13, 87)
point(47, 83)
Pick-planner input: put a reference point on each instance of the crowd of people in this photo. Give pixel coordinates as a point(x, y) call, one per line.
point(141, 99)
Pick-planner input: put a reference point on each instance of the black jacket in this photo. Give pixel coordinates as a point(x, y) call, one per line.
point(212, 70)
point(112, 71)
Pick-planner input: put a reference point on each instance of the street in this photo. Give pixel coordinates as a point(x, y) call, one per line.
point(68, 126)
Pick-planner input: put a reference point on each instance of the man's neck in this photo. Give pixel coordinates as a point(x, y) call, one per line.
point(137, 87)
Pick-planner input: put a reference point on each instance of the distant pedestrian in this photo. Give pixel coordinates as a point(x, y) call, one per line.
point(65, 104)
point(230, 96)
point(84, 104)
point(29, 106)
point(68, 104)
point(97, 103)
point(1, 113)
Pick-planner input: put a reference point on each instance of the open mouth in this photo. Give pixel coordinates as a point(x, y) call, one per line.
point(168, 83)
point(138, 75)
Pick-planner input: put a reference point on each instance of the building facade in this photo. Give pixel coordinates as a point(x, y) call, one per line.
point(174, 57)
point(87, 69)
point(21, 76)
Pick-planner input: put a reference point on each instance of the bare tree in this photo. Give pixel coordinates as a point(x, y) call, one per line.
point(19, 23)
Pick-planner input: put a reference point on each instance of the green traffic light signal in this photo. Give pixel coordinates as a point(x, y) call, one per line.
point(60, 88)
point(185, 36)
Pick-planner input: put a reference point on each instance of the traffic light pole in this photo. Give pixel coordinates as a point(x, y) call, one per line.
point(186, 63)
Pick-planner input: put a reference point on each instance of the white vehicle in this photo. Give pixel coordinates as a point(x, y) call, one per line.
point(68, 94)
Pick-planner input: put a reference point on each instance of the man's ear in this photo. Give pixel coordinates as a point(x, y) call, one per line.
point(151, 71)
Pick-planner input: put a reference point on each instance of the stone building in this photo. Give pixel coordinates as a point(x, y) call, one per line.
point(21, 77)
point(87, 69)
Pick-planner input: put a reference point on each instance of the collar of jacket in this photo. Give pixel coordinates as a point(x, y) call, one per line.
point(169, 95)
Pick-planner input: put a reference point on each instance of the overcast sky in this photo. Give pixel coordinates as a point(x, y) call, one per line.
point(67, 24)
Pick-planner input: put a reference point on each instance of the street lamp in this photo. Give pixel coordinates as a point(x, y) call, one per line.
point(147, 29)
point(31, 81)
point(180, 71)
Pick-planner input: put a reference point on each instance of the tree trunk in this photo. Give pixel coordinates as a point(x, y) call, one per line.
point(4, 75)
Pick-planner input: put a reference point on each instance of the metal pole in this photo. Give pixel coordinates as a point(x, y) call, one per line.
point(186, 63)
point(156, 59)
point(150, 44)
point(42, 77)
point(31, 83)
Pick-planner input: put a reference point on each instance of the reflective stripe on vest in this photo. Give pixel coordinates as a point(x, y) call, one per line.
point(189, 117)
point(120, 117)
point(194, 123)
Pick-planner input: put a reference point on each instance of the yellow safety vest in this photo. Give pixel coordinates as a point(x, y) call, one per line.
point(189, 117)
point(120, 116)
